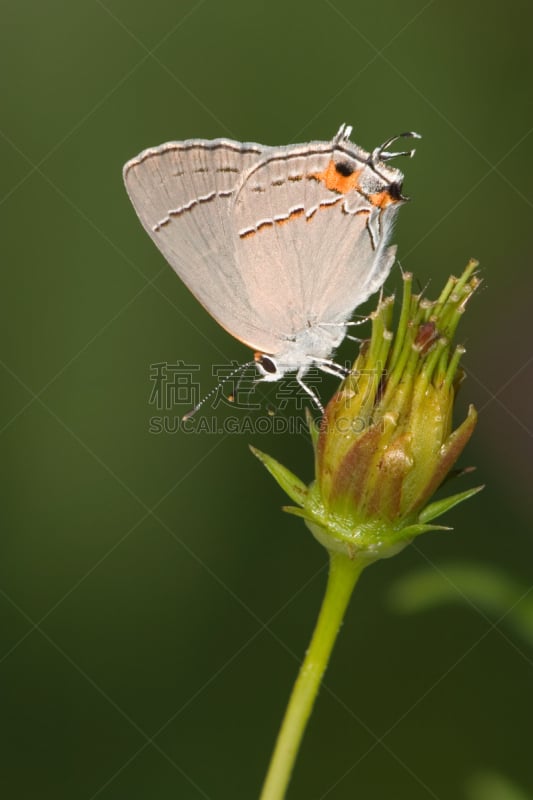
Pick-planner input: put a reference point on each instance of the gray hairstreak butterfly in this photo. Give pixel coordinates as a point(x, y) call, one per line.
point(280, 244)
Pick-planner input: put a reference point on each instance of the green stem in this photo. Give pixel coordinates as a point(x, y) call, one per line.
point(343, 575)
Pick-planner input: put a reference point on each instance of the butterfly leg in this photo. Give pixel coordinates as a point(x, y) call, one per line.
point(331, 367)
point(345, 325)
point(360, 321)
point(299, 378)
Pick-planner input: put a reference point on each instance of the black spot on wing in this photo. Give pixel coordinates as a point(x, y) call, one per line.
point(344, 168)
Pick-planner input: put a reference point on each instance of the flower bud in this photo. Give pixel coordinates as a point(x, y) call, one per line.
point(386, 441)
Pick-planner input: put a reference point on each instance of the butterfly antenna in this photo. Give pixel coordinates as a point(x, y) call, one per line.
point(382, 154)
point(215, 389)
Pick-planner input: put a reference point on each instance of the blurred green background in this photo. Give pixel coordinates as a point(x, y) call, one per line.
point(155, 601)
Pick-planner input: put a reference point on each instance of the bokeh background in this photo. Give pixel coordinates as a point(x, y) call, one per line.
point(155, 601)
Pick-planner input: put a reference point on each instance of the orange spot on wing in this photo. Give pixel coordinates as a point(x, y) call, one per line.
point(299, 212)
point(335, 181)
point(295, 214)
point(382, 199)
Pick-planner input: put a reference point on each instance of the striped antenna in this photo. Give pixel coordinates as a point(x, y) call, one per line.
point(215, 389)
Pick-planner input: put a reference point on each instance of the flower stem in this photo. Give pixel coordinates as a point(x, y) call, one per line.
point(343, 575)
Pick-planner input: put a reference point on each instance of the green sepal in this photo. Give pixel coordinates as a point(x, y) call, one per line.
point(441, 506)
point(412, 531)
point(293, 486)
point(296, 511)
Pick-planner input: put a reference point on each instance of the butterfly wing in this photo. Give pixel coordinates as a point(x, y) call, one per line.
point(270, 240)
point(183, 194)
point(313, 242)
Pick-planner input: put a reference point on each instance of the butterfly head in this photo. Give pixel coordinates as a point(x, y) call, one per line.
point(268, 367)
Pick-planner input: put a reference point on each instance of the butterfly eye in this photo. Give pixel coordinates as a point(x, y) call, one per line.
point(267, 364)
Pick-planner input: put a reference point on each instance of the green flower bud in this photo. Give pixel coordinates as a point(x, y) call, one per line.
point(386, 442)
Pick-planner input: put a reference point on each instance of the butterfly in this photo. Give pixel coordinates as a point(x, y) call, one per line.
point(279, 244)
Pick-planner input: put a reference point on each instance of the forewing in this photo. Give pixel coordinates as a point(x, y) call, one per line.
point(183, 193)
